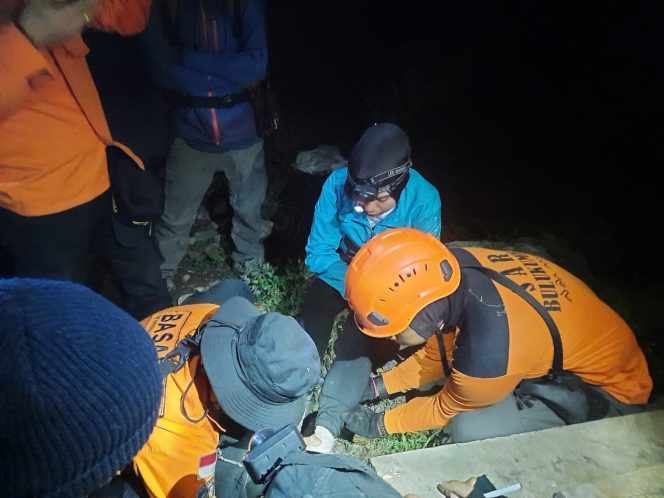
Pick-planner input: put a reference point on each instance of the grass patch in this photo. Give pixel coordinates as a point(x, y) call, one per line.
point(282, 289)
point(364, 448)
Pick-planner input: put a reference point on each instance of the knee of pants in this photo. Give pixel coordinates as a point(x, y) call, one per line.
point(462, 429)
point(174, 226)
point(222, 292)
point(348, 349)
point(352, 343)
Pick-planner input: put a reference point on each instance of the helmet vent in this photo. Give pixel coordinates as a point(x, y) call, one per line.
point(377, 319)
point(396, 284)
point(402, 279)
point(446, 268)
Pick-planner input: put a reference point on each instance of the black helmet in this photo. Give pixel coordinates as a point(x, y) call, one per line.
point(379, 162)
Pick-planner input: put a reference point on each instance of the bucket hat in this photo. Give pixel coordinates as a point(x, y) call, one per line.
point(260, 365)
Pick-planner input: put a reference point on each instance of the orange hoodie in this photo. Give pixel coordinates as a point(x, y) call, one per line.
point(53, 131)
point(501, 340)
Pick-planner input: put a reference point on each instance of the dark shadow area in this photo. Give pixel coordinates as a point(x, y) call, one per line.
point(537, 119)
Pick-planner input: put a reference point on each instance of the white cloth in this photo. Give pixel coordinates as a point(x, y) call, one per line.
point(326, 439)
point(373, 220)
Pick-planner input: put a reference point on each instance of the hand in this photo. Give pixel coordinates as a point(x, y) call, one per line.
point(375, 389)
point(321, 441)
point(364, 421)
point(457, 489)
point(46, 22)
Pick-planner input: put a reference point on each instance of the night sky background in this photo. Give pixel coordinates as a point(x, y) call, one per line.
point(533, 119)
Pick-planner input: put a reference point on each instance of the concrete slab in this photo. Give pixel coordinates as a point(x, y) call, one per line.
point(646, 481)
point(623, 454)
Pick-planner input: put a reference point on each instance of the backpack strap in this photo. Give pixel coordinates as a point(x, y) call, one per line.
point(443, 355)
point(342, 463)
point(177, 357)
point(330, 461)
point(557, 368)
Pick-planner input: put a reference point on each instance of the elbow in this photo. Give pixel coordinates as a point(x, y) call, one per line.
point(312, 263)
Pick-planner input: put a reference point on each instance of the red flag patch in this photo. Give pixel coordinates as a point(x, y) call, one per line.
point(206, 465)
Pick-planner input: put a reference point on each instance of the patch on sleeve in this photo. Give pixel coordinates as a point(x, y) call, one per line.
point(206, 465)
point(206, 490)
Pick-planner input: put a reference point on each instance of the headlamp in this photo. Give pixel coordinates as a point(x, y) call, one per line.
point(365, 191)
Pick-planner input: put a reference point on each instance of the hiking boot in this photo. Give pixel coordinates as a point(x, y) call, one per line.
point(243, 268)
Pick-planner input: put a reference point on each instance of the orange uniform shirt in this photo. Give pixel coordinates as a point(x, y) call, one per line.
point(597, 345)
point(53, 131)
point(178, 459)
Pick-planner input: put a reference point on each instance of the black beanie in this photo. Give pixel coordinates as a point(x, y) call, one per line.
point(79, 389)
point(381, 148)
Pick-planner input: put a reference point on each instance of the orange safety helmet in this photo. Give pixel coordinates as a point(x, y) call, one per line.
point(395, 275)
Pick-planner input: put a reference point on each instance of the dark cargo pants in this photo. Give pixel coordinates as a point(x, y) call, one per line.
point(189, 173)
point(57, 246)
point(356, 356)
point(506, 418)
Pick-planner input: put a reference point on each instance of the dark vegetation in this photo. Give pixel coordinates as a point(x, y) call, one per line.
point(537, 121)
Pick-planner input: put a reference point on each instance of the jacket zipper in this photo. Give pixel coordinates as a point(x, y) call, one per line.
point(206, 44)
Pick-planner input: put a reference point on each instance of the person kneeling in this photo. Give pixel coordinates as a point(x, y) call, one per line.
point(523, 344)
point(229, 371)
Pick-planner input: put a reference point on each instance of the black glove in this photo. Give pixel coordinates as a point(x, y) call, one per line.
point(482, 486)
point(375, 389)
point(364, 421)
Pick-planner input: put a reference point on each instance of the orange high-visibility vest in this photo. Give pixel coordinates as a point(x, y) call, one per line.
point(178, 460)
point(53, 131)
point(488, 361)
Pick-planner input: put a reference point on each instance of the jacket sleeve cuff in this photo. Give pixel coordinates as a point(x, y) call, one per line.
point(414, 416)
point(390, 382)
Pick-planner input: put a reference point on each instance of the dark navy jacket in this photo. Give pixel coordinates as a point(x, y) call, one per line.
point(206, 53)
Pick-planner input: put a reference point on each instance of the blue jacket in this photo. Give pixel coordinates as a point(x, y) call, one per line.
point(337, 228)
point(202, 57)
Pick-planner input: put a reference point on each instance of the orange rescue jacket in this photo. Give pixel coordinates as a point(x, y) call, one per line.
point(502, 340)
point(179, 458)
point(53, 131)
